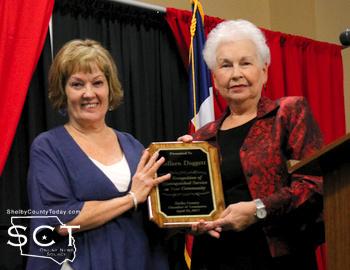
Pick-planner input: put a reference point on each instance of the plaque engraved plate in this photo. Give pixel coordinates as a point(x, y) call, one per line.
point(194, 191)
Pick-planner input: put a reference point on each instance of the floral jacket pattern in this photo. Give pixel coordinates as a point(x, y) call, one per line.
point(284, 130)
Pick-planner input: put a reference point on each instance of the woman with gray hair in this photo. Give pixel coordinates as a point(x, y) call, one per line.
point(269, 213)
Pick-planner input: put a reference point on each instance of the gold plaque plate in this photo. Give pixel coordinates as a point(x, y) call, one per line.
point(194, 191)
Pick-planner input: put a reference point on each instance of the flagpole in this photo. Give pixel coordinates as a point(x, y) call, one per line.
point(201, 90)
point(193, 31)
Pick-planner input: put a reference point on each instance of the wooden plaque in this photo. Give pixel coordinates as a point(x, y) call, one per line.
point(194, 191)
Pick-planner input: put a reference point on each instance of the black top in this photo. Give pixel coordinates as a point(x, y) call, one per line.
point(234, 184)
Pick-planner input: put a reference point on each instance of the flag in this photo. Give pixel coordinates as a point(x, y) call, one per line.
point(200, 86)
point(200, 90)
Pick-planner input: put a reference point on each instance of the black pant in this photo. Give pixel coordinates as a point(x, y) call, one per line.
point(247, 250)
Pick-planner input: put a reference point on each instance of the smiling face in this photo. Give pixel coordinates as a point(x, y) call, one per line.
point(87, 97)
point(239, 74)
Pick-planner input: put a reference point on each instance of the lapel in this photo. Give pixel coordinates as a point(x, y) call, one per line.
point(129, 151)
point(265, 107)
point(86, 179)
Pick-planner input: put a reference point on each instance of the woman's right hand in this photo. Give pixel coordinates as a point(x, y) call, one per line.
point(185, 138)
point(145, 177)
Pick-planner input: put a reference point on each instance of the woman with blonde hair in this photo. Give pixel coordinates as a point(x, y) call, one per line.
point(93, 177)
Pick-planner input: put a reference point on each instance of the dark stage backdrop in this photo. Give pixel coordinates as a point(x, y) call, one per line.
point(154, 80)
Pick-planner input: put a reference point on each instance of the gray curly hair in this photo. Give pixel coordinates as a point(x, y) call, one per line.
point(234, 30)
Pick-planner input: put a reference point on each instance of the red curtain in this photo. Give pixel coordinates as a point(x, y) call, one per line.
point(299, 66)
point(23, 28)
point(304, 67)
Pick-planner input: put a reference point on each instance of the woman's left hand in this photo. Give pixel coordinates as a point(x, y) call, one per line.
point(144, 178)
point(201, 227)
point(236, 217)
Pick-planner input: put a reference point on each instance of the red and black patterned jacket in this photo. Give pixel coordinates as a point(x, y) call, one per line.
point(284, 129)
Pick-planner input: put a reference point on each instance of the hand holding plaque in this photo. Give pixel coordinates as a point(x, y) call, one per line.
point(194, 191)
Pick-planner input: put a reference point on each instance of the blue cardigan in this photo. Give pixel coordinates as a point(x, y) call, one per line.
point(61, 178)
